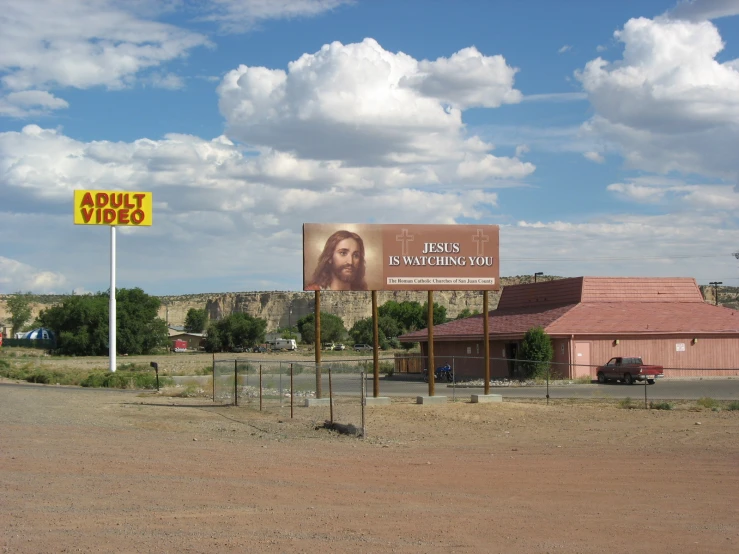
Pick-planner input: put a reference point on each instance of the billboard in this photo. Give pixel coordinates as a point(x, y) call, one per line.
point(400, 257)
point(112, 207)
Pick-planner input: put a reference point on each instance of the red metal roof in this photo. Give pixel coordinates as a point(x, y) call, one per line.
point(597, 306)
point(501, 322)
point(644, 317)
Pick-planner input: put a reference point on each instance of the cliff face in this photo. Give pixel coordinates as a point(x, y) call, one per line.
point(281, 309)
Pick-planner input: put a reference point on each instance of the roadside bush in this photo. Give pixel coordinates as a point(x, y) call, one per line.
point(190, 390)
point(626, 403)
point(660, 406)
point(733, 406)
point(129, 380)
point(707, 402)
point(536, 353)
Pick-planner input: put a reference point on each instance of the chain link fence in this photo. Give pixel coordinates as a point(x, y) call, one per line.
point(337, 389)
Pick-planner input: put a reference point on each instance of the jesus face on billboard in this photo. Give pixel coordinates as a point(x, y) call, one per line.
point(341, 265)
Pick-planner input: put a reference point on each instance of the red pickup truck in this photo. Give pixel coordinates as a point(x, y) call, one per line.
point(629, 370)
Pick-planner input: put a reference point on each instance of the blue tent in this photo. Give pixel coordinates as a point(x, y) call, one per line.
point(40, 334)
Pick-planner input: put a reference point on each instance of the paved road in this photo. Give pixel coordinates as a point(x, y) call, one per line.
point(664, 389)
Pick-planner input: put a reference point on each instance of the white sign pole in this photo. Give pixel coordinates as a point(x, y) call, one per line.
point(112, 319)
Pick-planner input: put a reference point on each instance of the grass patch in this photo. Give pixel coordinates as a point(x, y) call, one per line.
point(129, 376)
point(125, 380)
point(707, 402)
point(626, 404)
point(191, 390)
point(660, 406)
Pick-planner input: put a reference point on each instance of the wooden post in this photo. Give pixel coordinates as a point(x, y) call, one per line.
point(260, 387)
point(375, 348)
point(431, 366)
point(486, 338)
point(317, 322)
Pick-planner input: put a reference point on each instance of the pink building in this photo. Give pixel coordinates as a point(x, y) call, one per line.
point(665, 321)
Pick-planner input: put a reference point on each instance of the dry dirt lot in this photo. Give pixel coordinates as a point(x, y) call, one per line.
point(110, 471)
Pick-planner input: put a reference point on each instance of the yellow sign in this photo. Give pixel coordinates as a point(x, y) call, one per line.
point(112, 207)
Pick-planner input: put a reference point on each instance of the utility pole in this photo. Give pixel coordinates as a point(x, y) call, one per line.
point(715, 285)
point(537, 274)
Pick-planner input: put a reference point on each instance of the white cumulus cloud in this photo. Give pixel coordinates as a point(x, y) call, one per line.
point(83, 43)
point(596, 157)
point(360, 105)
point(669, 104)
point(235, 16)
point(701, 10)
point(16, 276)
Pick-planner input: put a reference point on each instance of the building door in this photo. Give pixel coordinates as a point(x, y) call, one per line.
point(582, 360)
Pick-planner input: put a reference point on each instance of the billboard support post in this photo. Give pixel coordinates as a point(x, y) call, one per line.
point(111, 311)
point(317, 323)
point(431, 369)
point(112, 208)
point(375, 346)
point(486, 338)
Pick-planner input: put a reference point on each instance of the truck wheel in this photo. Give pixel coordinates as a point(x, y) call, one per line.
point(628, 379)
point(601, 378)
point(650, 381)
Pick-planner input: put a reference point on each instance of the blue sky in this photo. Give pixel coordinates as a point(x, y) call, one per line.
point(600, 136)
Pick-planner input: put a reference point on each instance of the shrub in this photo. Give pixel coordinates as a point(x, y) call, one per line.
point(660, 406)
point(189, 391)
point(733, 406)
point(120, 380)
point(707, 402)
point(626, 403)
point(536, 353)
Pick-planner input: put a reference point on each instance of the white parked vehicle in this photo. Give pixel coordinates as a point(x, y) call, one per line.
point(284, 344)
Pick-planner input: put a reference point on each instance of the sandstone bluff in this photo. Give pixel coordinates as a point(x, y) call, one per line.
point(281, 309)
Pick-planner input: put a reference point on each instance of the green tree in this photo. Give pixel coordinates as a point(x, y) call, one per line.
point(196, 320)
point(439, 314)
point(467, 313)
point(332, 328)
point(139, 328)
point(536, 352)
point(81, 323)
point(19, 306)
point(235, 330)
point(409, 315)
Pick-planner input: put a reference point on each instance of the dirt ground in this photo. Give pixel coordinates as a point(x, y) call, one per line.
point(110, 471)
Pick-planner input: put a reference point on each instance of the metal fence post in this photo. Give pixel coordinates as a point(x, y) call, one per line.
point(260, 387)
point(236, 383)
point(646, 406)
point(364, 396)
point(330, 397)
point(292, 391)
point(279, 369)
point(454, 383)
point(214, 376)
